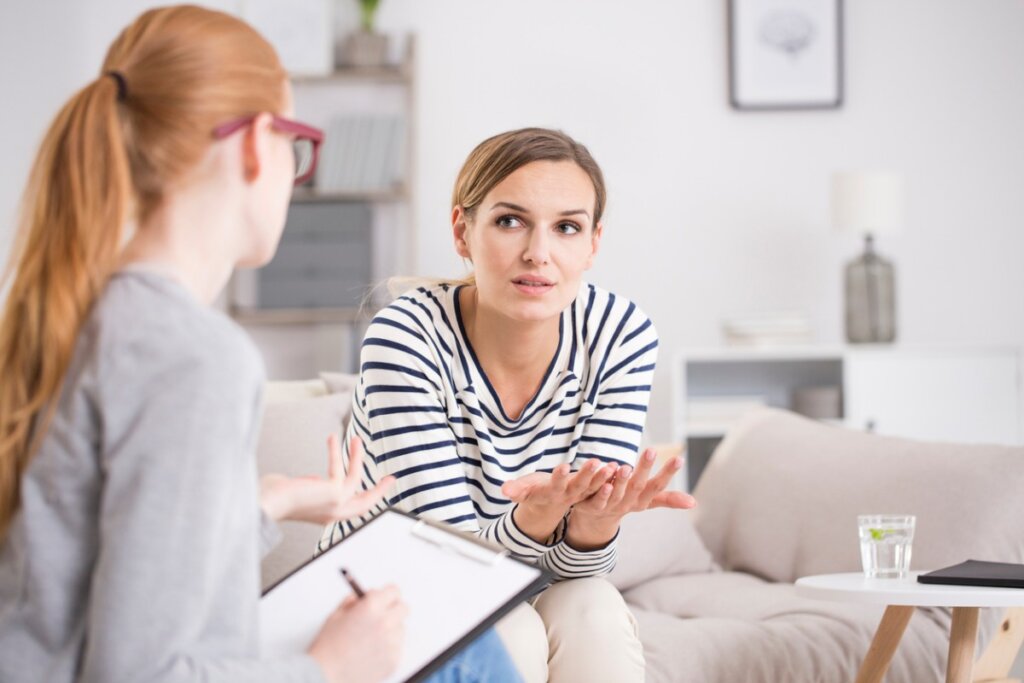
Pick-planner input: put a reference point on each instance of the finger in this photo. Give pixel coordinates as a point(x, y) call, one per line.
point(582, 480)
point(604, 474)
point(518, 489)
point(599, 501)
point(355, 455)
point(673, 499)
point(643, 471)
point(334, 457)
point(668, 471)
point(622, 478)
point(560, 478)
point(364, 500)
point(658, 484)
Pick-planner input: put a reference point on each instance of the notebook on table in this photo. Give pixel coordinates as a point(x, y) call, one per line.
point(455, 585)
point(978, 573)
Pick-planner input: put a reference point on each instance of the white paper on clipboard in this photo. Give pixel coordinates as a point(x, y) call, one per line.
point(451, 585)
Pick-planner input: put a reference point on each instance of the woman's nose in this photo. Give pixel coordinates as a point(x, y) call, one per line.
point(537, 247)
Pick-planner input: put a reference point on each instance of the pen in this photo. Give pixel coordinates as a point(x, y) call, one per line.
point(353, 584)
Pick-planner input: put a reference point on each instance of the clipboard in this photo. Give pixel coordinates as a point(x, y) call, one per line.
point(455, 584)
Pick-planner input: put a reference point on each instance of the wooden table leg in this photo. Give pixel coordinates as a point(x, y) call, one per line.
point(962, 638)
point(883, 645)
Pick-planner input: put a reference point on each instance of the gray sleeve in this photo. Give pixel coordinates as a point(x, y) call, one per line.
point(176, 528)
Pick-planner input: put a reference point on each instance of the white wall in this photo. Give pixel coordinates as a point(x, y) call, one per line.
point(712, 212)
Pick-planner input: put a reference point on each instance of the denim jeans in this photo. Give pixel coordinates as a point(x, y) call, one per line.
point(482, 661)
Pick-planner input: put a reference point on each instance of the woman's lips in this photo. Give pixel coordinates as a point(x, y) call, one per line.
point(533, 286)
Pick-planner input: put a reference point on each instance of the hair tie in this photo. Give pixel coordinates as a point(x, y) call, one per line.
point(122, 84)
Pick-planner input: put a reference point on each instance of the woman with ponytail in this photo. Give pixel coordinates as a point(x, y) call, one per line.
point(131, 519)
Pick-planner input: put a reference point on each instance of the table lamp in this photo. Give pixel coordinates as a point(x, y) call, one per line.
point(869, 204)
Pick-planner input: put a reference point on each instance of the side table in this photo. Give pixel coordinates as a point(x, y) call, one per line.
point(901, 596)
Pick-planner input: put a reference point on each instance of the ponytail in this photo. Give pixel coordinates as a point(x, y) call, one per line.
point(168, 80)
point(73, 213)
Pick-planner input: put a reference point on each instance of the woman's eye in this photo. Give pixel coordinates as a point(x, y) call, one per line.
point(509, 222)
point(568, 228)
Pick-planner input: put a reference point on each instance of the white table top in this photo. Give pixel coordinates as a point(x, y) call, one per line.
point(856, 588)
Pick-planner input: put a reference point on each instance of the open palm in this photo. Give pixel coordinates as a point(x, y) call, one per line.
point(323, 500)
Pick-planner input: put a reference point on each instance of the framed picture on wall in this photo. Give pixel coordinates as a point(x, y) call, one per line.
point(785, 54)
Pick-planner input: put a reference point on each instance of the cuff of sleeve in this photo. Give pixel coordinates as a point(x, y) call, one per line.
point(512, 537)
point(270, 534)
point(568, 562)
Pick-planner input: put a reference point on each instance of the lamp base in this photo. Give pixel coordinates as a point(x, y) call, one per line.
point(870, 289)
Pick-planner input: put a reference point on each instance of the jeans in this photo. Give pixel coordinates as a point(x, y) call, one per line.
point(482, 661)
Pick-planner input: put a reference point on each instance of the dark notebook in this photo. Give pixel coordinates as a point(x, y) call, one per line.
point(978, 573)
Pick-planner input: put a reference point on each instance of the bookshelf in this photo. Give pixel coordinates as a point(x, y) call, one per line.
point(351, 228)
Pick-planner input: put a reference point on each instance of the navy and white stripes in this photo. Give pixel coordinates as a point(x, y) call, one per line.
point(428, 415)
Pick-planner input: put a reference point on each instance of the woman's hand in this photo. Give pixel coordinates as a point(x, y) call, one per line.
point(544, 499)
point(318, 500)
point(361, 642)
point(595, 521)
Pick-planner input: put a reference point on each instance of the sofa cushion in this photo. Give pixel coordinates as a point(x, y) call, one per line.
point(659, 542)
point(339, 382)
point(293, 441)
point(781, 495)
point(735, 627)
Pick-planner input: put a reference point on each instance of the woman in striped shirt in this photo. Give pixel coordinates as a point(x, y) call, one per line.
point(512, 404)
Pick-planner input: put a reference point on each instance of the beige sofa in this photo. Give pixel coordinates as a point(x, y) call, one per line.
point(779, 500)
point(712, 589)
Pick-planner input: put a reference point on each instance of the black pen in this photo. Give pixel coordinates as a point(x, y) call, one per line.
point(353, 584)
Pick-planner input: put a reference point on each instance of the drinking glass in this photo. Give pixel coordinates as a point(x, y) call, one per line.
point(885, 545)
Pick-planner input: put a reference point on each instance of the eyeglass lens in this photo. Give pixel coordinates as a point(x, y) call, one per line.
point(303, 151)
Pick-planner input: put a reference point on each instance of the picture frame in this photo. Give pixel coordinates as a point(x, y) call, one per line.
point(785, 54)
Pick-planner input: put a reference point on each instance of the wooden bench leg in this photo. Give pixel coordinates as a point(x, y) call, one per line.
point(962, 638)
point(883, 645)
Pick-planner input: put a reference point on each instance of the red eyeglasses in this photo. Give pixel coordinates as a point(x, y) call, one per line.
point(305, 141)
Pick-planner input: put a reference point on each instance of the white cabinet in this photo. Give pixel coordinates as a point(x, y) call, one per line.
point(969, 394)
point(966, 395)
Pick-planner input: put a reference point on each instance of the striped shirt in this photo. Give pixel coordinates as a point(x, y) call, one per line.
point(428, 415)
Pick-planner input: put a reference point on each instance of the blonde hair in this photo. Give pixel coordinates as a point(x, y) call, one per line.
point(108, 157)
point(499, 156)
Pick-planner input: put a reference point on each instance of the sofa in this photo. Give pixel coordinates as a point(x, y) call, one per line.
point(712, 589)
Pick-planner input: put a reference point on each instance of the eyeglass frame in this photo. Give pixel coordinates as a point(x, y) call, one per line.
point(301, 131)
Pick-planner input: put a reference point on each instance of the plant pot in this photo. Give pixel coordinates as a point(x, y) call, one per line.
point(363, 49)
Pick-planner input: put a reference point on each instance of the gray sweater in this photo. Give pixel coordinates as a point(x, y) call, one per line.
point(134, 555)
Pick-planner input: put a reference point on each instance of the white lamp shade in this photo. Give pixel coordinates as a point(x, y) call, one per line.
point(867, 202)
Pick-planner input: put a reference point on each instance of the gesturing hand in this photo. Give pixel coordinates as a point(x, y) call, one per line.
point(543, 499)
point(319, 500)
point(595, 520)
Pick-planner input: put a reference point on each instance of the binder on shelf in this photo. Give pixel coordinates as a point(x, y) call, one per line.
point(455, 585)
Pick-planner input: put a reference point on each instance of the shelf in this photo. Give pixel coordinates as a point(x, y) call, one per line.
point(310, 196)
point(397, 74)
point(756, 354)
point(302, 316)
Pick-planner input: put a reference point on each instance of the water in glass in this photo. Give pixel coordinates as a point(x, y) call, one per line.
point(885, 545)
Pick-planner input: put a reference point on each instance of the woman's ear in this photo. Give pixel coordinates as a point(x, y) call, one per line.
point(595, 243)
point(460, 231)
point(255, 147)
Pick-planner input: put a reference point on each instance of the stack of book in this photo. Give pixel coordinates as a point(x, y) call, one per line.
point(362, 153)
point(770, 329)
